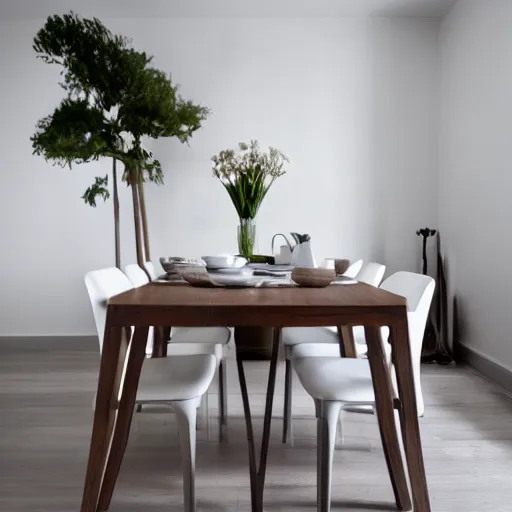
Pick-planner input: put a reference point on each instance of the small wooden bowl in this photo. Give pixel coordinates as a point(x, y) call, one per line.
point(313, 277)
point(201, 279)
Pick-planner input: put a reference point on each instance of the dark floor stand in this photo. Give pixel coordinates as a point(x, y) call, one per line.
point(436, 349)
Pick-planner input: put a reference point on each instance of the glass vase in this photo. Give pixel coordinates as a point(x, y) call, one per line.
point(246, 237)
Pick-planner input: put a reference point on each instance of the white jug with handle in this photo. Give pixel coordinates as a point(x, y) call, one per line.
point(284, 257)
point(302, 255)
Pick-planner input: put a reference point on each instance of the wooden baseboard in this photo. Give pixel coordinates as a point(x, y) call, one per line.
point(487, 366)
point(48, 343)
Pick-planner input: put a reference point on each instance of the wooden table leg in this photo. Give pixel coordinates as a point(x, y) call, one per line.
point(124, 416)
point(401, 353)
point(111, 366)
point(348, 344)
point(256, 505)
point(161, 336)
point(268, 409)
point(386, 416)
point(257, 472)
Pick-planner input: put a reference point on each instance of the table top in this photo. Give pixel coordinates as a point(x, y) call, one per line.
point(185, 305)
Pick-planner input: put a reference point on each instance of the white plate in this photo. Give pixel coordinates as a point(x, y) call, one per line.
point(222, 267)
point(271, 268)
point(244, 271)
point(344, 280)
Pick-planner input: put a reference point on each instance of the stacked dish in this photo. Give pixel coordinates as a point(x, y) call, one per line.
point(226, 264)
point(175, 266)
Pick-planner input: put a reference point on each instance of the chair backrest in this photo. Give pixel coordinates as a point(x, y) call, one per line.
point(418, 290)
point(353, 269)
point(150, 269)
point(101, 285)
point(371, 273)
point(136, 275)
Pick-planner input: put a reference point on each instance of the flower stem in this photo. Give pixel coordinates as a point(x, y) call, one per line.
point(246, 237)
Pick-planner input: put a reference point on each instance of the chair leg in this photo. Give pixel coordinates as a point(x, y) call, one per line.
point(186, 415)
point(327, 417)
point(287, 415)
point(339, 432)
point(319, 445)
point(223, 395)
point(204, 415)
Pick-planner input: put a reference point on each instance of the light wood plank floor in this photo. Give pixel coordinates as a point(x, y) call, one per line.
point(45, 424)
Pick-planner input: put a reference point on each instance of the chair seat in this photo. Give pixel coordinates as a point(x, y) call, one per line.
point(176, 378)
point(323, 335)
point(216, 335)
point(331, 350)
point(336, 378)
point(298, 335)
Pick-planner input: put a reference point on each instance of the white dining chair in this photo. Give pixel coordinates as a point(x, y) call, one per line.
point(178, 381)
point(353, 269)
point(326, 339)
point(150, 269)
point(337, 382)
point(193, 340)
point(370, 273)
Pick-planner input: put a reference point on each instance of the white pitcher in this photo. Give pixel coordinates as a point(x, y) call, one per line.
point(302, 255)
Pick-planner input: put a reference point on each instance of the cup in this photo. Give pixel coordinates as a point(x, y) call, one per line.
point(340, 266)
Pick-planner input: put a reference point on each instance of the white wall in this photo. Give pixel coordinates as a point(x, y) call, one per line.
point(475, 177)
point(405, 99)
point(350, 101)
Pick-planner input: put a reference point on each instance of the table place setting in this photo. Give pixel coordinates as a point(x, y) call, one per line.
point(228, 271)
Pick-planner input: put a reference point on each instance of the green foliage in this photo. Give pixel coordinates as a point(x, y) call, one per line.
point(90, 55)
point(248, 175)
point(75, 132)
point(113, 100)
point(98, 188)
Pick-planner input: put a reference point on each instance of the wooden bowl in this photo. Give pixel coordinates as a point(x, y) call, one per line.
point(313, 277)
point(340, 266)
point(201, 279)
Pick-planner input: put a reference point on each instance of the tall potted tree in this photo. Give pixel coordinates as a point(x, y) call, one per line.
point(113, 99)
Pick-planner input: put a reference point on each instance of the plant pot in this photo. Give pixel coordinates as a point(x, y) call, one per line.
point(254, 343)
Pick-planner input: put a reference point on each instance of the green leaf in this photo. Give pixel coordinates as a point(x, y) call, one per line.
point(98, 188)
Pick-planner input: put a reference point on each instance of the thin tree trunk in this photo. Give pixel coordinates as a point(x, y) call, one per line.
point(424, 255)
point(142, 200)
point(133, 177)
point(117, 236)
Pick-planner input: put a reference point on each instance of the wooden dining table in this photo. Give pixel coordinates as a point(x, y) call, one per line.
point(343, 305)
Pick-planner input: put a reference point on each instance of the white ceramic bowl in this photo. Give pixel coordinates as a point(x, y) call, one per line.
point(224, 261)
